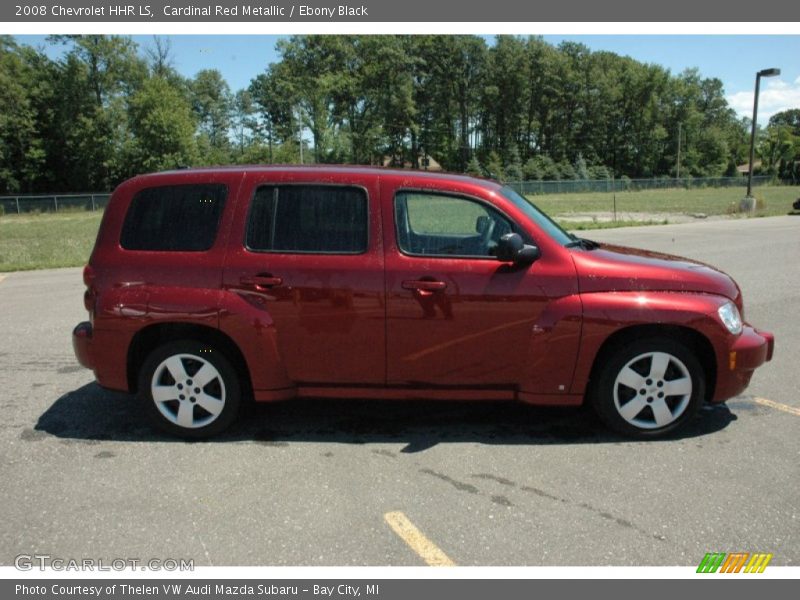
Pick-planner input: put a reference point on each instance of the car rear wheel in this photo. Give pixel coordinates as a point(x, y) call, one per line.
point(649, 388)
point(190, 389)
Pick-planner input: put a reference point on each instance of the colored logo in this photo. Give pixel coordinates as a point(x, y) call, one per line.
point(735, 562)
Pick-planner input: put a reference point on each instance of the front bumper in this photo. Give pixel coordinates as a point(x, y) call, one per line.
point(751, 349)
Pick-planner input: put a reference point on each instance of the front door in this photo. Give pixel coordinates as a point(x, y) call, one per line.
point(456, 316)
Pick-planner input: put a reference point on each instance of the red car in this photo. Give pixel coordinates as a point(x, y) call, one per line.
point(208, 287)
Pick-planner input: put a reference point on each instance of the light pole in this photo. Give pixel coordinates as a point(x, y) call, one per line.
point(759, 75)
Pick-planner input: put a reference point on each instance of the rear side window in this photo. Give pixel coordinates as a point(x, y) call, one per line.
point(178, 218)
point(308, 218)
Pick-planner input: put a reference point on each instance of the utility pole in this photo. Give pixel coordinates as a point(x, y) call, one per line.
point(678, 169)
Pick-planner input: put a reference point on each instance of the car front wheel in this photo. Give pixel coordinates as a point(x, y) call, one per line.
point(649, 388)
point(190, 389)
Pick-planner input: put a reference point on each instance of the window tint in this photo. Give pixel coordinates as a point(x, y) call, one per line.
point(438, 224)
point(308, 218)
point(175, 217)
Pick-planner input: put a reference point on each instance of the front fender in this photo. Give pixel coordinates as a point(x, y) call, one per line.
point(605, 313)
point(553, 349)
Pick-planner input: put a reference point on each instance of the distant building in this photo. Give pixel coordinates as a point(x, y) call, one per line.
point(426, 162)
point(745, 168)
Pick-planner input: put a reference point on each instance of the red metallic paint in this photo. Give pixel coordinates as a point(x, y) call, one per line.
point(357, 325)
point(477, 331)
point(327, 316)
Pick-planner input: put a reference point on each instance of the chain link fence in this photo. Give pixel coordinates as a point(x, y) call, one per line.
point(43, 203)
point(574, 186)
point(27, 203)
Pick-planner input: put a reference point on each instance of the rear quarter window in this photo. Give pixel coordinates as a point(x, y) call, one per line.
point(177, 218)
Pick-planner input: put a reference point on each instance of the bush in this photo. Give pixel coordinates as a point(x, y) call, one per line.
point(599, 172)
point(514, 172)
point(566, 170)
point(474, 167)
point(494, 167)
point(581, 169)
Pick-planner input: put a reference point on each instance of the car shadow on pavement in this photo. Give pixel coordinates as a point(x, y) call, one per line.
point(92, 413)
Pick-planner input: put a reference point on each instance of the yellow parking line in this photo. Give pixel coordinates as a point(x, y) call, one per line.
point(417, 541)
point(772, 404)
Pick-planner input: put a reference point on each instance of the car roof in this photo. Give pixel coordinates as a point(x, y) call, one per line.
point(332, 169)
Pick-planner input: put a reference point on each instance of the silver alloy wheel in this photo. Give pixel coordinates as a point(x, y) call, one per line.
point(188, 391)
point(652, 390)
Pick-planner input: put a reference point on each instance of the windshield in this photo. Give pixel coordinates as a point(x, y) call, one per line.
point(538, 217)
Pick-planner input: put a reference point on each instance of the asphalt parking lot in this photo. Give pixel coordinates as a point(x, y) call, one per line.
point(345, 483)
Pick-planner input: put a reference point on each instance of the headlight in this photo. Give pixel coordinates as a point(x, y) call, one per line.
point(729, 315)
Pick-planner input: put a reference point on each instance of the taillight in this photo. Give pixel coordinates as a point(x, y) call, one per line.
point(88, 276)
point(89, 295)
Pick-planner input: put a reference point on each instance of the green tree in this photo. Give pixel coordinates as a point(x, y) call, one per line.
point(212, 104)
point(245, 123)
point(474, 167)
point(273, 96)
point(513, 169)
point(94, 82)
point(162, 127)
point(22, 154)
point(494, 166)
point(309, 70)
point(787, 118)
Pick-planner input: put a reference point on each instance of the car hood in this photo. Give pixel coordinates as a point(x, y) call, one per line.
point(617, 268)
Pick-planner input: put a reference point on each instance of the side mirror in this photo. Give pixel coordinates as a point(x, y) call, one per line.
point(511, 248)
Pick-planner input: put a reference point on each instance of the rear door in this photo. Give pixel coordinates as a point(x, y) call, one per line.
point(311, 253)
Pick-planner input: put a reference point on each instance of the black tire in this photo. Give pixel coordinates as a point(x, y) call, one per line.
point(198, 412)
point(644, 358)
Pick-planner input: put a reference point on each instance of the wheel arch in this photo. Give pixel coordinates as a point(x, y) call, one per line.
point(693, 339)
point(151, 337)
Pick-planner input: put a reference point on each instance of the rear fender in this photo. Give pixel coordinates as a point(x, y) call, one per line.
point(245, 319)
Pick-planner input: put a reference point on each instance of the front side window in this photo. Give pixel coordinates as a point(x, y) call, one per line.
point(177, 218)
point(443, 225)
point(308, 218)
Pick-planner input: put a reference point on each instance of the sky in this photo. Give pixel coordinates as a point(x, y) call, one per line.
point(734, 59)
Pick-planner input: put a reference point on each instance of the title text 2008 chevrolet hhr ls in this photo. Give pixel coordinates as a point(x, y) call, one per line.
point(207, 287)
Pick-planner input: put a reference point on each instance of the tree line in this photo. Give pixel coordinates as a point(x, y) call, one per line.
point(518, 108)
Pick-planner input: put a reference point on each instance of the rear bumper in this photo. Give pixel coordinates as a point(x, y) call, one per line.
point(105, 352)
point(751, 349)
point(82, 344)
